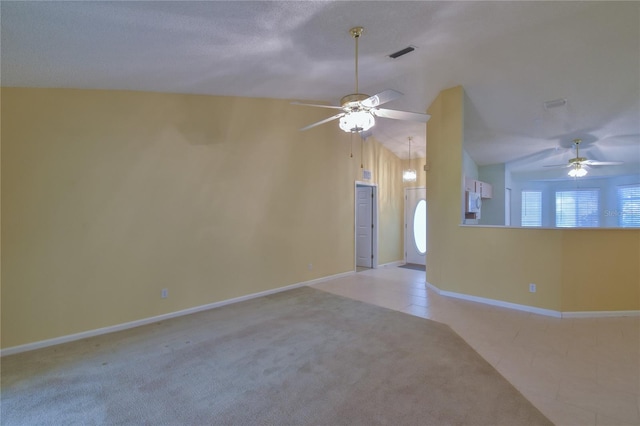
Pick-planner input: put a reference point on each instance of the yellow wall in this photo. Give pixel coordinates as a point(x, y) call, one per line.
point(110, 196)
point(600, 270)
point(386, 168)
point(574, 270)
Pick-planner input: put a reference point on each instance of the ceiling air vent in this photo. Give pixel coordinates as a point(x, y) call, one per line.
point(555, 103)
point(402, 52)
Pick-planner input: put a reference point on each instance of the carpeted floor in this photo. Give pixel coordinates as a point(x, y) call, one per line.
point(301, 357)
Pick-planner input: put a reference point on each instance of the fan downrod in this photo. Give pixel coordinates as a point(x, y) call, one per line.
point(577, 159)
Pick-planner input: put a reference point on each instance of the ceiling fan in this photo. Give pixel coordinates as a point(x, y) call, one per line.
point(358, 111)
point(579, 164)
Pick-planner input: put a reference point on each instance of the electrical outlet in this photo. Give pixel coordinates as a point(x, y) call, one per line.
point(532, 288)
point(164, 293)
point(310, 266)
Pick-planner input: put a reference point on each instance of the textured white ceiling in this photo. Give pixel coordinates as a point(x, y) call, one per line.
point(509, 56)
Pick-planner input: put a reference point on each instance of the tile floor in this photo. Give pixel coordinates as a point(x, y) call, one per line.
point(582, 371)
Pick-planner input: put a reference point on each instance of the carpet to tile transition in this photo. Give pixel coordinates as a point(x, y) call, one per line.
point(300, 357)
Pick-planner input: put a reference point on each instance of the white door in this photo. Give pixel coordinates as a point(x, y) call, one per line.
point(415, 225)
point(364, 226)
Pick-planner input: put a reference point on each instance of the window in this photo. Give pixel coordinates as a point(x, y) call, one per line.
point(628, 206)
point(531, 208)
point(420, 226)
point(577, 208)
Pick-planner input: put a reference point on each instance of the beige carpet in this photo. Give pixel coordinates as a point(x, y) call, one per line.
point(301, 357)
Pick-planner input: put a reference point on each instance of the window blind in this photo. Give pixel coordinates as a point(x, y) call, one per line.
point(531, 211)
point(577, 208)
point(628, 206)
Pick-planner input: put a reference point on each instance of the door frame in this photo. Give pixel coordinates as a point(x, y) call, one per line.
point(406, 228)
point(374, 220)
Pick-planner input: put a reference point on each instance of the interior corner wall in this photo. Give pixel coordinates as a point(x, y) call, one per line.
point(108, 197)
point(443, 201)
point(574, 269)
point(386, 170)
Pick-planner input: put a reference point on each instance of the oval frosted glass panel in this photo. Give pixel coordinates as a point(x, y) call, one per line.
point(420, 226)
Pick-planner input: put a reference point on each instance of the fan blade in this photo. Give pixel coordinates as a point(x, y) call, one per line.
point(621, 140)
point(401, 115)
point(559, 166)
point(602, 163)
point(381, 98)
point(326, 120)
point(315, 105)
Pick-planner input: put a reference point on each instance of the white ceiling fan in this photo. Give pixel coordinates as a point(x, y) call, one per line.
point(358, 111)
point(578, 165)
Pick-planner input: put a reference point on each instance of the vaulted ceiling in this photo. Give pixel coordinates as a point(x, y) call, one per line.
point(510, 57)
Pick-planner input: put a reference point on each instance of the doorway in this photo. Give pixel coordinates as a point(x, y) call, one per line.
point(415, 226)
point(366, 226)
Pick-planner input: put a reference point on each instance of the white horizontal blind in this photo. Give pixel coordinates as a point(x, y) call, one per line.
point(577, 208)
point(531, 212)
point(628, 206)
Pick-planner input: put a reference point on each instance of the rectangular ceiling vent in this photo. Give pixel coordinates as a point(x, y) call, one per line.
point(555, 103)
point(402, 52)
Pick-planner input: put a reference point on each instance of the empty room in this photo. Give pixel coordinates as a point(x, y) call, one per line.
point(320, 213)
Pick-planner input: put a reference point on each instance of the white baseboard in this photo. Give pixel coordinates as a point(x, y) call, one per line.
point(433, 287)
point(119, 327)
point(600, 314)
point(533, 309)
point(503, 304)
point(495, 302)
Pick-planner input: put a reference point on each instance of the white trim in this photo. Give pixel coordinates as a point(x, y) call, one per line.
point(503, 304)
point(600, 314)
point(150, 320)
point(533, 309)
point(494, 302)
point(432, 287)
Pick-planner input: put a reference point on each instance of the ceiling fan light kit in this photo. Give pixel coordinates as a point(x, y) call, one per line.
point(359, 110)
point(357, 121)
point(577, 171)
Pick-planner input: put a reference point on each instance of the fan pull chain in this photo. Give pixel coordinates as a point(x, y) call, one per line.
point(361, 151)
point(351, 149)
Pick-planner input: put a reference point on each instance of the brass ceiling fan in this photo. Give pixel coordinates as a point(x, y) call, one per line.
point(579, 164)
point(358, 111)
